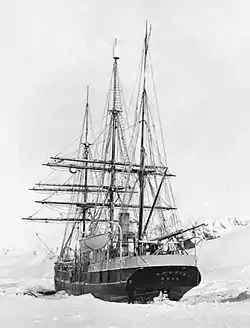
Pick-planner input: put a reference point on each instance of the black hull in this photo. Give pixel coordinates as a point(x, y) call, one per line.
point(147, 281)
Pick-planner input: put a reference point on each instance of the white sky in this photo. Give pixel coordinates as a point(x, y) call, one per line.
point(51, 49)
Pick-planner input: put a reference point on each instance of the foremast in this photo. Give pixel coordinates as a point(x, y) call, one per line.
point(80, 178)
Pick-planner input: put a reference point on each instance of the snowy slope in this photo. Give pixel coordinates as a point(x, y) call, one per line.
point(227, 257)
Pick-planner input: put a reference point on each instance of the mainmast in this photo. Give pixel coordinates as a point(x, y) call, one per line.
point(114, 117)
point(142, 148)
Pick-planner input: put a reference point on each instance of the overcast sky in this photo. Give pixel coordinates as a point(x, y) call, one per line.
point(51, 49)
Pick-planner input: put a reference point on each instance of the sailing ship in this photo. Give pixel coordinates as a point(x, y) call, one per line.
point(121, 222)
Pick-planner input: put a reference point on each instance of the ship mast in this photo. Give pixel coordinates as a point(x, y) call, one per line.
point(86, 145)
point(142, 148)
point(114, 117)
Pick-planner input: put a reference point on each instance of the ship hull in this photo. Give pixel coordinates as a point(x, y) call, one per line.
point(174, 274)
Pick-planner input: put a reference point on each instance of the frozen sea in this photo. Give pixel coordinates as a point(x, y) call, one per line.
point(221, 300)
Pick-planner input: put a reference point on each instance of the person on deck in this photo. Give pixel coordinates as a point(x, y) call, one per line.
point(130, 292)
point(172, 246)
point(162, 285)
point(165, 248)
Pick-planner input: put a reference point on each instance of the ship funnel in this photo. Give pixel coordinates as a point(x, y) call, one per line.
point(116, 50)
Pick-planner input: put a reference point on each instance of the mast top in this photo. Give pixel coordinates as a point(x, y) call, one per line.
point(87, 98)
point(116, 50)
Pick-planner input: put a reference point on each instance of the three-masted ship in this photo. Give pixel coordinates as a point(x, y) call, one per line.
point(121, 222)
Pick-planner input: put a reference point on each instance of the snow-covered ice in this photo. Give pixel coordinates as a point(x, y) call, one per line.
point(221, 300)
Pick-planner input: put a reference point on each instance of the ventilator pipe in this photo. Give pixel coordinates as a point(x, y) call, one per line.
point(120, 230)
